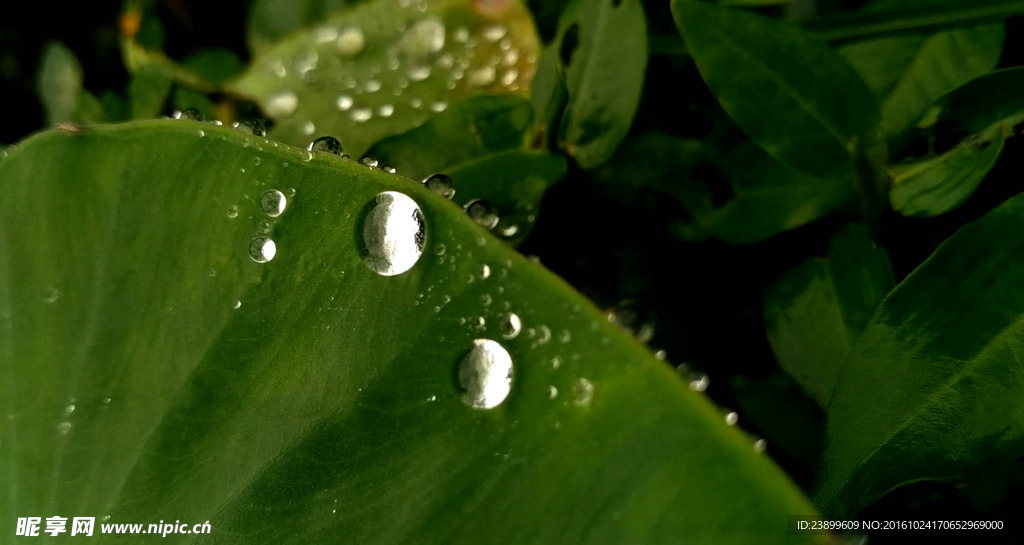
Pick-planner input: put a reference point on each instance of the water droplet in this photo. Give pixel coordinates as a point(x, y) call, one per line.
point(556, 362)
point(237, 305)
point(660, 355)
point(509, 77)
point(731, 418)
point(190, 114)
point(389, 169)
point(201, 133)
point(305, 155)
point(543, 334)
point(438, 107)
point(273, 202)
point(419, 73)
point(482, 213)
point(394, 233)
point(282, 104)
point(582, 392)
point(262, 249)
point(424, 37)
point(461, 34)
point(510, 57)
point(552, 392)
point(263, 227)
point(51, 296)
point(494, 33)
point(350, 41)
point(565, 336)
point(482, 76)
point(369, 161)
point(385, 110)
point(760, 445)
point(325, 34)
point(290, 192)
point(361, 115)
point(326, 144)
point(415, 103)
point(308, 128)
point(344, 102)
point(485, 272)
point(440, 184)
point(509, 230)
point(63, 428)
point(69, 409)
point(372, 85)
point(485, 375)
point(510, 325)
point(631, 317)
point(106, 401)
point(251, 126)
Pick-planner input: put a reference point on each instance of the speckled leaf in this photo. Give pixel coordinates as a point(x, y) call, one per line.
point(155, 371)
point(815, 312)
point(771, 197)
point(384, 67)
point(934, 186)
point(908, 73)
point(787, 90)
point(603, 44)
point(931, 390)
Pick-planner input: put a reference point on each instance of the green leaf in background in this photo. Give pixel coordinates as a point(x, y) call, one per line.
point(270, 21)
point(978, 106)
point(908, 73)
point(59, 82)
point(815, 312)
point(148, 90)
point(479, 143)
point(215, 65)
point(790, 421)
point(934, 186)
point(466, 131)
point(603, 44)
point(204, 324)
point(770, 197)
point(385, 66)
point(549, 96)
point(931, 390)
point(788, 91)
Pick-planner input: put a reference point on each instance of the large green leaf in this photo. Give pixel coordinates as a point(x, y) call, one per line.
point(604, 45)
point(155, 371)
point(815, 312)
point(383, 67)
point(931, 390)
point(787, 90)
point(908, 73)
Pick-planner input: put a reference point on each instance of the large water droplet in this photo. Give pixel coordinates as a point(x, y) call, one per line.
point(393, 233)
point(262, 249)
point(485, 375)
point(424, 37)
point(326, 144)
point(282, 104)
point(482, 213)
point(510, 325)
point(273, 202)
point(440, 184)
point(350, 41)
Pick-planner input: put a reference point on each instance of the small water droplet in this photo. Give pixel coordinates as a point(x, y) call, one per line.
point(482, 76)
point(552, 392)
point(344, 102)
point(485, 300)
point(556, 362)
point(308, 128)
point(565, 336)
point(760, 445)
point(361, 115)
point(510, 325)
point(660, 355)
point(290, 192)
point(52, 295)
point(493, 33)
point(106, 401)
point(460, 34)
point(440, 184)
point(543, 334)
point(394, 233)
point(509, 77)
point(350, 41)
point(631, 317)
point(419, 73)
point(424, 37)
point(485, 374)
point(201, 133)
point(237, 305)
point(282, 104)
point(389, 169)
point(306, 156)
point(372, 85)
point(251, 126)
point(273, 203)
point(731, 418)
point(326, 144)
point(482, 213)
point(509, 230)
point(263, 227)
point(582, 392)
point(440, 250)
point(262, 249)
point(190, 114)
point(64, 428)
point(385, 110)
point(485, 272)
point(438, 106)
point(69, 409)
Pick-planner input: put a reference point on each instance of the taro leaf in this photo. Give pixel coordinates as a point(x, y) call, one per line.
point(154, 370)
point(787, 90)
point(815, 312)
point(384, 67)
point(466, 131)
point(478, 143)
point(771, 197)
point(908, 73)
point(931, 390)
point(270, 21)
point(603, 45)
point(934, 186)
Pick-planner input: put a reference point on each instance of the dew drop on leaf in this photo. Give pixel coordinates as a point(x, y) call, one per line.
point(282, 104)
point(350, 41)
point(582, 392)
point(344, 103)
point(440, 184)
point(262, 249)
point(509, 325)
point(481, 212)
point(394, 233)
point(273, 203)
point(326, 144)
point(485, 374)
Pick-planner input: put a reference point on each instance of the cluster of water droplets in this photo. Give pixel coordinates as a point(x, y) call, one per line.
point(416, 55)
